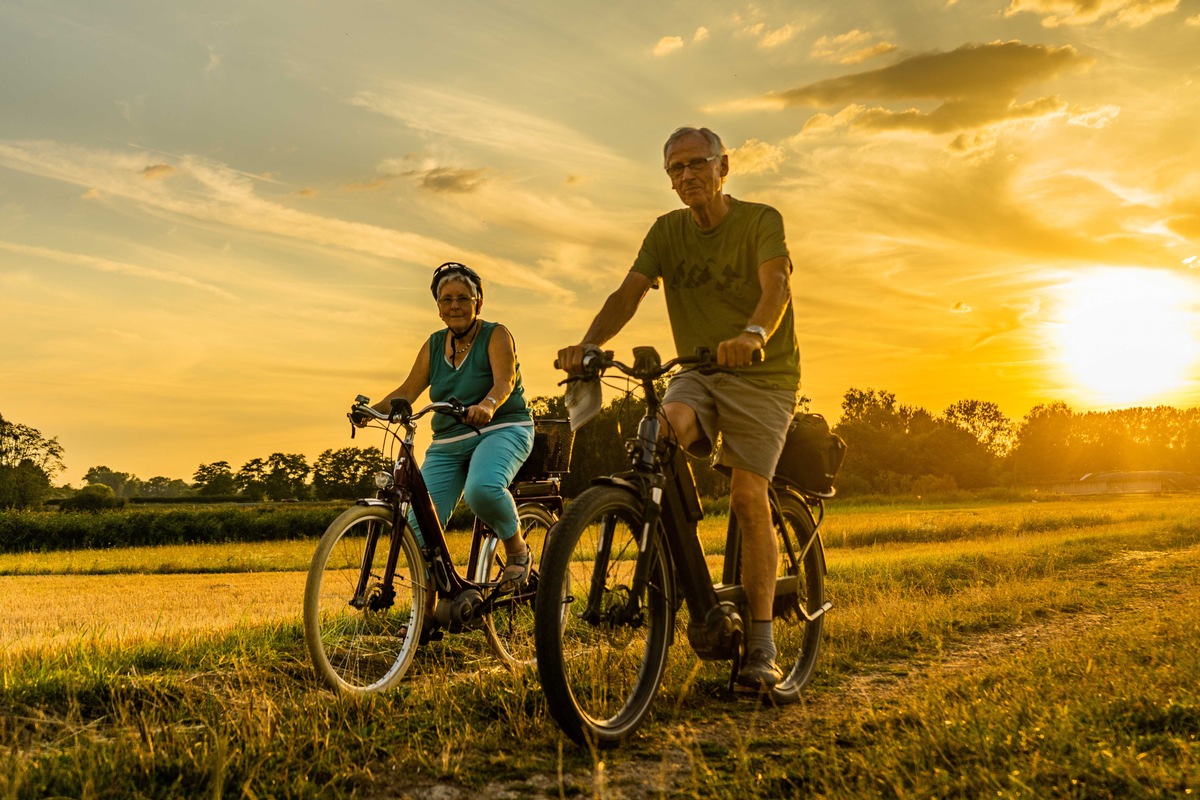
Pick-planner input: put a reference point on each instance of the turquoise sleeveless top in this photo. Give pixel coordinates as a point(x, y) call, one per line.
point(470, 381)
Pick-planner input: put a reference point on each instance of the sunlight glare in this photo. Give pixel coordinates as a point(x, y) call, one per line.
point(1127, 335)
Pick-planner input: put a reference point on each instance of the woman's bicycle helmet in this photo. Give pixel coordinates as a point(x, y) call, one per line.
point(455, 268)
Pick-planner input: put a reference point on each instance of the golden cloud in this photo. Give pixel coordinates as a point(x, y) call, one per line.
point(755, 157)
point(977, 85)
point(985, 71)
point(156, 172)
point(1130, 13)
point(668, 45)
point(852, 47)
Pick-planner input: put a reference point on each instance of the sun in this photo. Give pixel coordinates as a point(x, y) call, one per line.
point(1126, 336)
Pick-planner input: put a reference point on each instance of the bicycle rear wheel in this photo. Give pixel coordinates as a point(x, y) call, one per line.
point(509, 627)
point(363, 643)
point(601, 662)
point(798, 639)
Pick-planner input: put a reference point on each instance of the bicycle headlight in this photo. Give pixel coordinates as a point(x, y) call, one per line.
point(384, 480)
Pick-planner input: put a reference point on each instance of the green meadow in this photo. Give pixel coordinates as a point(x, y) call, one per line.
point(978, 648)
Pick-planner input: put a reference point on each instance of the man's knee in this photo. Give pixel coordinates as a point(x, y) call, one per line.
point(682, 423)
point(748, 497)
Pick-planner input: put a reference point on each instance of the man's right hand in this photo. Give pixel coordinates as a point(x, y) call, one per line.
point(570, 359)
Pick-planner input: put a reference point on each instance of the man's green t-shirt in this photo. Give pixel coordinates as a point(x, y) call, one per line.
point(711, 283)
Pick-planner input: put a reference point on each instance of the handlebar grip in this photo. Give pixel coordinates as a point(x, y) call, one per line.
point(400, 409)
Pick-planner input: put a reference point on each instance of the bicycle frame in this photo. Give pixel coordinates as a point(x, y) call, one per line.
point(663, 479)
point(460, 601)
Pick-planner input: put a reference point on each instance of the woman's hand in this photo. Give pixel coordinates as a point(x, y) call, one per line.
point(481, 413)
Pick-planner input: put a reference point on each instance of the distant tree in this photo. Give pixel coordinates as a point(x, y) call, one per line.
point(93, 497)
point(287, 476)
point(873, 407)
point(252, 479)
point(215, 480)
point(28, 462)
point(1044, 443)
point(347, 473)
point(123, 484)
point(986, 422)
point(24, 486)
point(160, 486)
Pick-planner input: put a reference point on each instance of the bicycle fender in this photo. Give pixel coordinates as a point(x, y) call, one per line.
point(618, 481)
point(371, 501)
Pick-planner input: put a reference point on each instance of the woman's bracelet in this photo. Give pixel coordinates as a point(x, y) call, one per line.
point(495, 404)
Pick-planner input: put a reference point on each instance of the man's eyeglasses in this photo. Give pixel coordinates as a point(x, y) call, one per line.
point(446, 302)
point(695, 165)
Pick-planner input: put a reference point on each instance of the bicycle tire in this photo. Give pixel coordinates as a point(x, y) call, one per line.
point(363, 650)
point(509, 627)
point(600, 676)
point(798, 639)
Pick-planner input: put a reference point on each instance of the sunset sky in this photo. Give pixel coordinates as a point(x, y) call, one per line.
point(218, 220)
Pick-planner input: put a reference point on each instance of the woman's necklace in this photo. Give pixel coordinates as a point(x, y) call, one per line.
point(455, 350)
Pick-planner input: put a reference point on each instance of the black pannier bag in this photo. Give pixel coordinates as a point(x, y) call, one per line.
point(552, 443)
point(812, 455)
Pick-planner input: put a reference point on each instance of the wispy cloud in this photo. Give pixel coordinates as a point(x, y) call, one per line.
point(463, 120)
point(1130, 13)
point(156, 172)
point(432, 175)
point(111, 266)
point(212, 193)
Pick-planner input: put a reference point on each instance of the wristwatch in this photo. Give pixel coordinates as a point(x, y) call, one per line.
point(757, 330)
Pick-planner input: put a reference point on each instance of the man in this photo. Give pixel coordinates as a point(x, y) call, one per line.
point(725, 268)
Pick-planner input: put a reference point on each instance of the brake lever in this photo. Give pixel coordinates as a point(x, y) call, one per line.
point(460, 414)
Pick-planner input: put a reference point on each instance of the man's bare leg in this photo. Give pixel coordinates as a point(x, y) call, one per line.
point(760, 561)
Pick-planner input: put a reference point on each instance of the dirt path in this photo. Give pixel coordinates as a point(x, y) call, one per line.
point(667, 764)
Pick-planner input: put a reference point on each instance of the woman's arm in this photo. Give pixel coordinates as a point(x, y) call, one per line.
point(502, 353)
point(416, 382)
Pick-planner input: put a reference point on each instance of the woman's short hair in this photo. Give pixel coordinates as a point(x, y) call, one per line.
point(454, 276)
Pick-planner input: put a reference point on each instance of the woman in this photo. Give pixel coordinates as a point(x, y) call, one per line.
point(475, 361)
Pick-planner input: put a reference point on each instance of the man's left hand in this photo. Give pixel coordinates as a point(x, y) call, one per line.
point(739, 351)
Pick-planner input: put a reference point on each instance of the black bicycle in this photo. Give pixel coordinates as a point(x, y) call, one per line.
point(374, 592)
point(625, 556)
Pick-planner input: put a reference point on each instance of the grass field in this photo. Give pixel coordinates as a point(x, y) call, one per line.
point(982, 649)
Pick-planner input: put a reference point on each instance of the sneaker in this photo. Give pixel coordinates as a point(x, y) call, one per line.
point(759, 671)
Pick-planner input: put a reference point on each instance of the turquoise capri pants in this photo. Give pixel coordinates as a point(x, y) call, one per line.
point(479, 468)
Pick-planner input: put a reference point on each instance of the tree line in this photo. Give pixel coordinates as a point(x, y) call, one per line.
point(892, 448)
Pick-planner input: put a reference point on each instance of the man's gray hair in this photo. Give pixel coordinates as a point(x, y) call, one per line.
point(714, 141)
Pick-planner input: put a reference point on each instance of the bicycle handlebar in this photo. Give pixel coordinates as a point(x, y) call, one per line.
point(647, 366)
point(361, 410)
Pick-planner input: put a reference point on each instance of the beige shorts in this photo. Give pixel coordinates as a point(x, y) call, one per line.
point(748, 423)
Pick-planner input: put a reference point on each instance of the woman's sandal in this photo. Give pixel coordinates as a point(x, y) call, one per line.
point(516, 572)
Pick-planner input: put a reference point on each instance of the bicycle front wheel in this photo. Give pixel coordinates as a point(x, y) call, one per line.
point(802, 564)
point(601, 660)
point(509, 626)
point(361, 633)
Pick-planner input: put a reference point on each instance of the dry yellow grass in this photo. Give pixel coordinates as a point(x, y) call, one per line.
point(43, 612)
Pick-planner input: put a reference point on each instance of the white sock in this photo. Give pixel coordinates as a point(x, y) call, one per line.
point(761, 637)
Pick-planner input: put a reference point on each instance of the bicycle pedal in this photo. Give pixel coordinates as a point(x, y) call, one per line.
point(431, 635)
